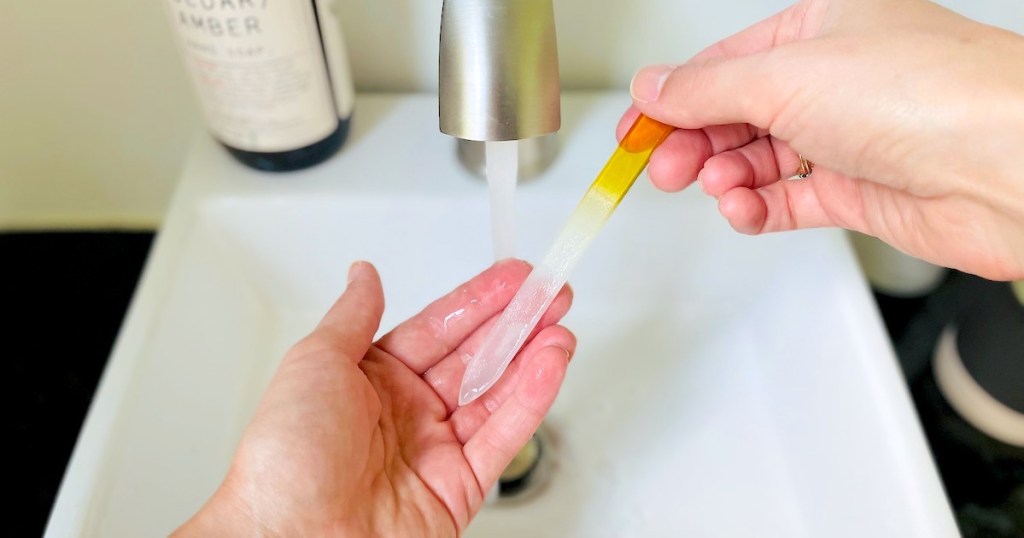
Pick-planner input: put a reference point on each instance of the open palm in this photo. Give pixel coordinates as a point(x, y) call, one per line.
point(361, 438)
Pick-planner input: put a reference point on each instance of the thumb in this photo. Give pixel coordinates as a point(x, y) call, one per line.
point(750, 89)
point(350, 325)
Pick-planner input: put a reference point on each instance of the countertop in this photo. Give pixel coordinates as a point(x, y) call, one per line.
point(66, 295)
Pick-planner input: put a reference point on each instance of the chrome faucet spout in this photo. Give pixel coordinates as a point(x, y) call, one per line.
point(498, 75)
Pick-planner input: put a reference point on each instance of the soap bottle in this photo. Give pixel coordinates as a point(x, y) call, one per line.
point(272, 77)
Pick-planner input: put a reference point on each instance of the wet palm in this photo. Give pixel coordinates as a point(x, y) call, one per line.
point(354, 438)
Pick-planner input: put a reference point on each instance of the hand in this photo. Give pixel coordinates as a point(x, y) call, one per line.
point(360, 439)
point(912, 114)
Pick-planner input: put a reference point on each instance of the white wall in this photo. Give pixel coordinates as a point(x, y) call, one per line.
point(96, 112)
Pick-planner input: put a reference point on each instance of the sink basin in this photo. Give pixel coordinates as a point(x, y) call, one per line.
point(724, 385)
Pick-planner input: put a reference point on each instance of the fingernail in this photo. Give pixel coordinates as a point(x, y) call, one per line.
point(648, 82)
point(357, 270)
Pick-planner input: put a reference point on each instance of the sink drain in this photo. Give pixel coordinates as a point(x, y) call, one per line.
point(529, 471)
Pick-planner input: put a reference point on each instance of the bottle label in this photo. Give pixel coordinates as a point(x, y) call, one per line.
point(259, 69)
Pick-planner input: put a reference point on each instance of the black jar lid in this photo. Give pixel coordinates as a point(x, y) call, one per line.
point(990, 339)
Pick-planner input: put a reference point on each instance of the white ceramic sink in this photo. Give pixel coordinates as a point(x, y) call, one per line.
point(724, 385)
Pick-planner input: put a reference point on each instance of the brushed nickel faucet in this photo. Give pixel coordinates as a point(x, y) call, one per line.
point(498, 78)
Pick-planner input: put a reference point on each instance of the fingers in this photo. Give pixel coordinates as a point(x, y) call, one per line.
point(467, 420)
point(446, 376)
point(351, 323)
point(749, 89)
point(789, 205)
point(741, 79)
point(625, 122)
point(743, 168)
point(755, 165)
point(727, 96)
point(516, 419)
point(675, 164)
point(435, 332)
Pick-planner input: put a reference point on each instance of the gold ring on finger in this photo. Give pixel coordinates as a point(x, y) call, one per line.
point(806, 168)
